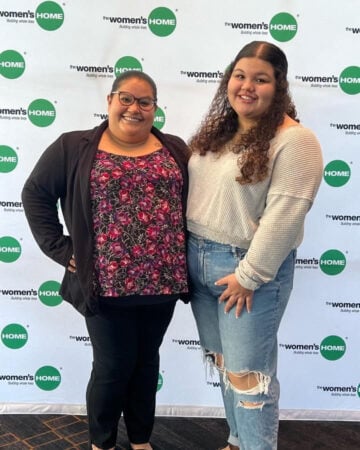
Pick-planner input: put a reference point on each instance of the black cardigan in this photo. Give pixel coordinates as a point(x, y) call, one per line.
point(63, 173)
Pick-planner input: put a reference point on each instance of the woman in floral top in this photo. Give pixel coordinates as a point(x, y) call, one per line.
point(122, 187)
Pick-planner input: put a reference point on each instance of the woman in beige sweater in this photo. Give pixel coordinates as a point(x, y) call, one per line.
point(254, 173)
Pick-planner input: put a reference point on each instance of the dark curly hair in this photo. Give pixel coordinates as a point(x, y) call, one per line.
point(221, 122)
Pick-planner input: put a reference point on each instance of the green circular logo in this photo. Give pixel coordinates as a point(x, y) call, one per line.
point(12, 64)
point(358, 390)
point(333, 348)
point(159, 119)
point(8, 159)
point(48, 293)
point(49, 16)
point(283, 27)
point(47, 378)
point(10, 249)
point(127, 63)
point(337, 173)
point(349, 80)
point(162, 21)
point(14, 336)
point(160, 382)
point(332, 262)
point(41, 112)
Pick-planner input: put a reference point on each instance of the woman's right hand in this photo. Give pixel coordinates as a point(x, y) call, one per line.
point(72, 265)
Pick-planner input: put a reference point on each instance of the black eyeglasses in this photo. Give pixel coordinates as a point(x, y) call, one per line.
point(127, 99)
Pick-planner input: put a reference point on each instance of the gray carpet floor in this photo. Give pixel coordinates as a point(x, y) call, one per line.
point(62, 432)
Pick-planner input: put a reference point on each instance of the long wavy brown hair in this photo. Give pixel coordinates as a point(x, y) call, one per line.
point(221, 122)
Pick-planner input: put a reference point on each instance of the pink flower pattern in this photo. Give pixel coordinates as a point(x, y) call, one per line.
point(138, 225)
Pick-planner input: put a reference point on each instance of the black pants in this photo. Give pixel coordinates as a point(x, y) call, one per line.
point(125, 371)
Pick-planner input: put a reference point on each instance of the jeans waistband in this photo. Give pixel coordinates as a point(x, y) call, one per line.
point(215, 246)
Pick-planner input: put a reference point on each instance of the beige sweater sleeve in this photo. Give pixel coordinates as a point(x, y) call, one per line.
point(296, 174)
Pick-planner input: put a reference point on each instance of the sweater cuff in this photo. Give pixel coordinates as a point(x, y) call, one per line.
point(245, 281)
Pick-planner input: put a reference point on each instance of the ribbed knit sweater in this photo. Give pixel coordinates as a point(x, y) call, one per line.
point(266, 218)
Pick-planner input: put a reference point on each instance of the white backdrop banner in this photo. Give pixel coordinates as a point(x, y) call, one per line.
point(57, 63)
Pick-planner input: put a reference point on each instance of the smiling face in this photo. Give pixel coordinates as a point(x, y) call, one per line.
point(130, 124)
point(251, 89)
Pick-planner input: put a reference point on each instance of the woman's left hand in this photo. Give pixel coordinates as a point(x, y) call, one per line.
point(235, 294)
point(72, 265)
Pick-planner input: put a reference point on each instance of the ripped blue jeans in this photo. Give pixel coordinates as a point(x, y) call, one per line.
point(247, 344)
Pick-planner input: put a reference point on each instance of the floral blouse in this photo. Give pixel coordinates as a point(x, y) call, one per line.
point(138, 225)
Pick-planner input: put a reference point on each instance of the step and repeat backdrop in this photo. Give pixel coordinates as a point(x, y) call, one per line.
point(57, 63)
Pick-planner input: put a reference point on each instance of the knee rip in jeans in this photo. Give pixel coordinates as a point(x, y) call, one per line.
point(248, 383)
point(244, 382)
